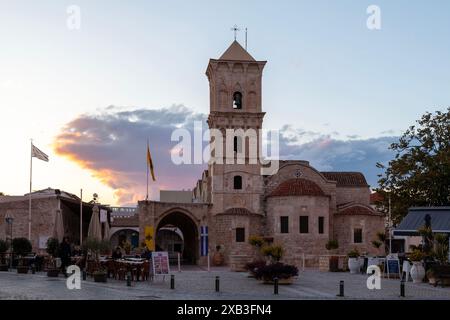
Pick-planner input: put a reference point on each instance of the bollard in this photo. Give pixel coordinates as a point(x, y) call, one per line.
point(341, 289)
point(275, 285)
point(84, 275)
point(172, 282)
point(129, 279)
point(402, 288)
point(217, 283)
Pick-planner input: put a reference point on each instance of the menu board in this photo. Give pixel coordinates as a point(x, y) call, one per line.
point(160, 261)
point(393, 266)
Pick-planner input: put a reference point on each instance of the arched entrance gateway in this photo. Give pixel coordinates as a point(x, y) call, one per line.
point(177, 232)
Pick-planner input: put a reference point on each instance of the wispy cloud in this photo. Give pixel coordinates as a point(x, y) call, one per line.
point(112, 145)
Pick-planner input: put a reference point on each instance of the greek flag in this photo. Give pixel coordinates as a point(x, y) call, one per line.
point(36, 153)
point(203, 241)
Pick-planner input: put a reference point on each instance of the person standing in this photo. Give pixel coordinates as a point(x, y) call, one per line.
point(65, 252)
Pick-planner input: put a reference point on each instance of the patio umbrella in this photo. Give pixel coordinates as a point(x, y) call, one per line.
point(95, 229)
point(58, 228)
point(106, 231)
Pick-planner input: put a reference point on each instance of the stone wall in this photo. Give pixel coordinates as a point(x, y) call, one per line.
point(295, 243)
point(42, 218)
point(370, 225)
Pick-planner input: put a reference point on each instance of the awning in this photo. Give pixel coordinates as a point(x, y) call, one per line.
point(415, 219)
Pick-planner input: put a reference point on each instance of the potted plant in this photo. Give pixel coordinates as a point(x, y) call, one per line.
point(284, 272)
point(4, 246)
point(257, 243)
point(381, 237)
point(353, 261)
point(252, 267)
point(273, 252)
point(218, 256)
point(417, 270)
point(331, 246)
point(52, 250)
point(95, 247)
point(126, 246)
point(21, 247)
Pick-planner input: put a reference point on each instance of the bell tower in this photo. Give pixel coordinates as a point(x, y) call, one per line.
point(235, 83)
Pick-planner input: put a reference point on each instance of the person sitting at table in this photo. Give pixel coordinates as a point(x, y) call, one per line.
point(77, 251)
point(65, 251)
point(147, 254)
point(117, 254)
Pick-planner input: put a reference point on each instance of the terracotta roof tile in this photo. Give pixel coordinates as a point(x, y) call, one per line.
point(347, 179)
point(358, 210)
point(238, 211)
point(297, 187)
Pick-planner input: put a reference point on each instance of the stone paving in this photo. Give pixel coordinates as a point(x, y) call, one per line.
point(195, 283)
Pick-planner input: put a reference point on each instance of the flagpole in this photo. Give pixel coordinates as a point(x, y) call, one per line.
point(146, 198)
point(81, 217)
point(29, 195)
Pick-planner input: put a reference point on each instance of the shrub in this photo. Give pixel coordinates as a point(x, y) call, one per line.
point(21, 246)
point(96, 246)
point(52, 247)
point(353, 253)
point(416, 255)
point(274, 251)
point(4, 246)
point(256, 241)
point(377, 244)
point(254, 266)
point(278, 270)
point(332, 244)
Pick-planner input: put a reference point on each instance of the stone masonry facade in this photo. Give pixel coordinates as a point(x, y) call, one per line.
point(297, 207)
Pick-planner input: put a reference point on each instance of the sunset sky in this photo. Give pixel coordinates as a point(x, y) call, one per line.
point(91, 97)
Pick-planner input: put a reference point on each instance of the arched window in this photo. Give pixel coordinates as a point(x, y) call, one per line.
point(237, 144)
point(237, 100)
point(237, 182)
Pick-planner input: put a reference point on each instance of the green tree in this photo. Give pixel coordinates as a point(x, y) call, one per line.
point(419, 175)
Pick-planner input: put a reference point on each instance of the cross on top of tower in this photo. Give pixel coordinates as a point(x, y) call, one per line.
point(235, 28)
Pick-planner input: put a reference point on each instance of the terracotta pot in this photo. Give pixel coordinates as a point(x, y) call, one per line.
point(22, 270)
point(353, 265)
point(417, 272)
point(100, 277)
point(218, 259)
point(334, 264)
point(53, 273)
point(285, 281)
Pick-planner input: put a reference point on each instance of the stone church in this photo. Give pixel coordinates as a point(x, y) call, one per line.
point(298, 207)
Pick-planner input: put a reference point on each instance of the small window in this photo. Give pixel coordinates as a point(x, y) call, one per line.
point(237, 182)
point(237, 100)
point(304, 221)
point(357, 235)
point(237, 144)
point(284, 224)
point(240, 234)
point(321, 224)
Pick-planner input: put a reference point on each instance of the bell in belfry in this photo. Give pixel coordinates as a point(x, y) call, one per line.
point(237, 100)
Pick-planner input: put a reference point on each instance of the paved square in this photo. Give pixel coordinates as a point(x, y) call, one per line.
point(199, 284)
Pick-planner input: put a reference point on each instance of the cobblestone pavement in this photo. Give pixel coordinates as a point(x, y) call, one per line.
point(195, 283)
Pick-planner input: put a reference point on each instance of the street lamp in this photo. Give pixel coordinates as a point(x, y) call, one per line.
point(9, 221)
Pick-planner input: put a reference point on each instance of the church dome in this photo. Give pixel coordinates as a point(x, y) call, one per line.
point(297, 187)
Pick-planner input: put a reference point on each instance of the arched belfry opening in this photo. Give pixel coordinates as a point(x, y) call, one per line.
point(177, 232)
point(237, 100)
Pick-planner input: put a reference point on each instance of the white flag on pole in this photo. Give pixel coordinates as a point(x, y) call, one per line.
point(35, 152)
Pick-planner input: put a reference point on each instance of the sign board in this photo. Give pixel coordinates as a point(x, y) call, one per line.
point(203, 241)
point(43, 242)
point(393, 266)
point(103, 215)
point(150, 237)
point(160, 261)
